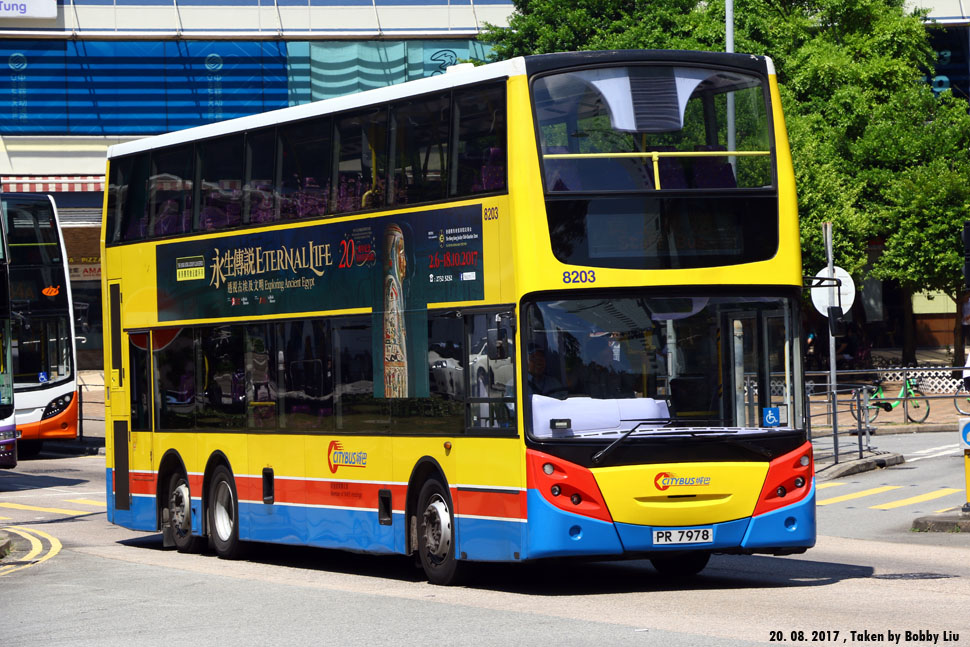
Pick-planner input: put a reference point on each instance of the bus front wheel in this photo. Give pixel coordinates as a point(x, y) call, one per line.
point(436, 534)
point(223, 509)
point(180, 515)
point(680, 564)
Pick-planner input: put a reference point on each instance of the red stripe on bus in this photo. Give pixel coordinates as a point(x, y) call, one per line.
point(510, 505)
point(141, 483)
point(349, 494)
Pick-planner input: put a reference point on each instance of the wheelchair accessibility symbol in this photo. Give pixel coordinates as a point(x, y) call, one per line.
point(770, 417)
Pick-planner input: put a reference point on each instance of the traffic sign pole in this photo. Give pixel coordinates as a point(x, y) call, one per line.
point(965, 444)
point(827, 233)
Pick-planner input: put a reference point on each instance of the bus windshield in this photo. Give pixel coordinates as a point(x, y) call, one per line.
point(41, 333)
point(631, 157)
point(600, 366)
point(652, 127)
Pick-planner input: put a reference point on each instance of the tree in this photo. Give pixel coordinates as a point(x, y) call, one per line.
point(924, 196)
point(874, 151)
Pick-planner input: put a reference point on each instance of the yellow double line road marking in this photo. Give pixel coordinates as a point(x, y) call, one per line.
point(34, 508)
point(36, 546)
point(929, 496)
point(858, 495)
point(99, 504)
point(899, 503)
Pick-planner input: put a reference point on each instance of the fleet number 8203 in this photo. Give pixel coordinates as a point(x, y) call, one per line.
point(580, 276)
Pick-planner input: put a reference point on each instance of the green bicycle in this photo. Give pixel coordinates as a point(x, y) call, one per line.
point(916, 410)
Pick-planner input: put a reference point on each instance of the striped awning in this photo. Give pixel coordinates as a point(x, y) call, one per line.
point(51, 183)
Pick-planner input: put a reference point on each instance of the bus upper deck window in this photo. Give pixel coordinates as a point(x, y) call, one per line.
point(650, 127)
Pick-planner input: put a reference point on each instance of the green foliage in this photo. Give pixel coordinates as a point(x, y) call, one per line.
point(875, 152)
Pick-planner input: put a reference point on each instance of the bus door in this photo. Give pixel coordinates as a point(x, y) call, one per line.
point(759, 349)
point(778, 358)
point(490, 499)
point(742, 334)
point(117, 402)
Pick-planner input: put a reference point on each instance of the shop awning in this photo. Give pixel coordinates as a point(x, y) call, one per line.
point(51, 183)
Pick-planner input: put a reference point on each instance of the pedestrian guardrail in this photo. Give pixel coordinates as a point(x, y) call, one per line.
point(864, 394)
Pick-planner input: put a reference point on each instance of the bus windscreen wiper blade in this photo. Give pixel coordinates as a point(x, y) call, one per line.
point(599, 456)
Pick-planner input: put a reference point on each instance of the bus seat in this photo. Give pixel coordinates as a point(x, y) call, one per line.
point(693, 396)
point(671, 169)
point(713, 172)
point(493, 171)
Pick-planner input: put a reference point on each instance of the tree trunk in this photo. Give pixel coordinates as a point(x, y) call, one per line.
point(959, 355)
point(909, 329)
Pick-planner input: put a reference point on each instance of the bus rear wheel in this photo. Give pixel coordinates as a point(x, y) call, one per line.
point(681, 564)
point(436, 534)
point(180, 515)
point(223, 509)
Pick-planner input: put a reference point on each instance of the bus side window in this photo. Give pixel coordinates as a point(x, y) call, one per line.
point(174, 378)
point(357, 409)
point(222, 401)
point(132, 197)
point(138, 382)
point(481, 163)
point(361, 161)
point(222, 162)
point(446, 373)
point(491, 372)
point(304, 189)
point(420, 133)
point(261, 379)
point(171, 191)
point(305, 374)
point(260, 190)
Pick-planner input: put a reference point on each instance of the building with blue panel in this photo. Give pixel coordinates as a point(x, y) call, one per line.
point(77, 76)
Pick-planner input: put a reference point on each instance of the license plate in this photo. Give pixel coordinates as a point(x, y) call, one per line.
point(673, 536)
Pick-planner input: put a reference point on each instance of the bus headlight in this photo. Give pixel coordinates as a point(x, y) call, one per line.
point(57, 405)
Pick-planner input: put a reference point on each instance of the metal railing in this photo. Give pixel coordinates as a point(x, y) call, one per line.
point(858, 394)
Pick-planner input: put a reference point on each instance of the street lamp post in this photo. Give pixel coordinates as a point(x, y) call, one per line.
point(729, 47)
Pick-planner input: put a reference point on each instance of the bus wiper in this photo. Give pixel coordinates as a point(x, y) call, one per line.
point(601, 455)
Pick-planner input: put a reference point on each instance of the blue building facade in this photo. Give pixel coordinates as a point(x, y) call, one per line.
point(77, 76)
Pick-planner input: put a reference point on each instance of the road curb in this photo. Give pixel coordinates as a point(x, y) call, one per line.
point(886, 430)
point(957, 522)
point(869, 463)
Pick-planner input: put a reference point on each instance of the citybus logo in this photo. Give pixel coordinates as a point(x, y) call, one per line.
point(51, 291)
point(337, 457)
point(664, 480)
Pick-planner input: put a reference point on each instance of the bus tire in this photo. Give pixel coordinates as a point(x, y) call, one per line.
point(223, 510)
point(681, 564)
point(179, 504)
point(436, 534)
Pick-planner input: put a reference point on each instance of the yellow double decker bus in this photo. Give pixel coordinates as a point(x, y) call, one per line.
point(539, 308)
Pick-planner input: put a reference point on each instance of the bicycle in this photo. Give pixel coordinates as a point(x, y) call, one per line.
point(916, 410)
point(961, 399)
